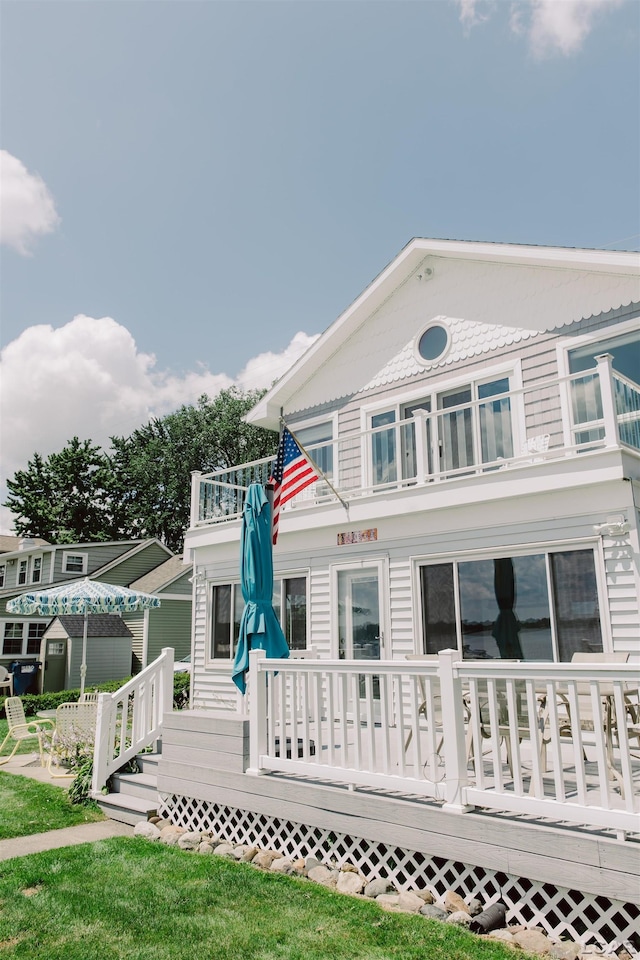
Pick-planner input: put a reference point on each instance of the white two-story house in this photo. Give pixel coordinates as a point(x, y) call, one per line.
point(475, 418)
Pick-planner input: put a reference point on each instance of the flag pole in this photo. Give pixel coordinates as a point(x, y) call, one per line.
point(311, 460)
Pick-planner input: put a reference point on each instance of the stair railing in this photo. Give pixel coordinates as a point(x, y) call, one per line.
point(131, 718)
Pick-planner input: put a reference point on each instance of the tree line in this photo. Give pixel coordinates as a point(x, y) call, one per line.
point(141, 486)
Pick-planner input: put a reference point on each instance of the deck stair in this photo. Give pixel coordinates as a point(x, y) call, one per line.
point(133, 796)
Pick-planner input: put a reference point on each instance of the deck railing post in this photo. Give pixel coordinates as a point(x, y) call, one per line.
point(195, 498)
point(611, 431)
point(166, 706)
point(101, 751)
point(257, 711)
point(455, 759)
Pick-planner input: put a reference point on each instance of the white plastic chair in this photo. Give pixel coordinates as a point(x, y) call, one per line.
point(6, 681)
point(21, 729)
point(74, 735)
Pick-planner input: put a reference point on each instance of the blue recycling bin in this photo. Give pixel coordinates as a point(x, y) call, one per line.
point(25, 674)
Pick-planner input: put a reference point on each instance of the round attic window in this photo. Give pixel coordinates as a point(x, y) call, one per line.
point(433, 342)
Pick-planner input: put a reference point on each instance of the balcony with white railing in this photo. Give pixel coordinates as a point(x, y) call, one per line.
point(554, 419)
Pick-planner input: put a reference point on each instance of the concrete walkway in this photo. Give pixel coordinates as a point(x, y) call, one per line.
point(28, 765)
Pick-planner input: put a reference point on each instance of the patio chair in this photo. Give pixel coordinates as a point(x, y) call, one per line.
point(21, 729)
point(6, 681)
point(585, 704)
point(73, 736)
point(91, 697)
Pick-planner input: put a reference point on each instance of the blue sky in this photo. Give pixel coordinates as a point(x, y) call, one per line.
point(192, 190)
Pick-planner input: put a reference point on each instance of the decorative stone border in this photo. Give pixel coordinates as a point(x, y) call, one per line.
point(348, 879)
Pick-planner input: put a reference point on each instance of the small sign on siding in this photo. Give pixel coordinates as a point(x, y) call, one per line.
point(357, 536)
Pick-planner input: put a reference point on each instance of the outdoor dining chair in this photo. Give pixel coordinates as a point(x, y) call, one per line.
point(91, 697)
point(423, 710)
point(72, 738)
point(21, 729)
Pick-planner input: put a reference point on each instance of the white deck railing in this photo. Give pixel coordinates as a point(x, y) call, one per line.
point(557, 741)
point(554, 418)
point(131, 718)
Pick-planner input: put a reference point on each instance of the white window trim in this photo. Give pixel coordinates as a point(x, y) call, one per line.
point(293, 575)
point(3, 575)
point(382, 566)
point(22, 562)
point(74, 553)
point(522, 550)
point(210, 661)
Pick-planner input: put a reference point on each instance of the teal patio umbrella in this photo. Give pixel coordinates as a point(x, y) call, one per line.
point(259, 626)
point(82, 597)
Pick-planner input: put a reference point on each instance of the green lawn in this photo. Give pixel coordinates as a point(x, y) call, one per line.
point(28, 746)
point(27, 806)
point(129, 899)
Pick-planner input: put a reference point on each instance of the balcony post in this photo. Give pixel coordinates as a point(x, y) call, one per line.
point(605, 375)
point(422, 453)
point(194, 515)
point(257, 711)
point(453, 744)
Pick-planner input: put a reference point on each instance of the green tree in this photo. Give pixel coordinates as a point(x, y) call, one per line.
point(152, 467)
point(64, 498)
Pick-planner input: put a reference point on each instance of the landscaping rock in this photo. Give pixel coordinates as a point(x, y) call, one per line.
point(310, 863)
point(377, 887)
point(349, 882)
point(534, 941)
point(190, 841)
point(264, 859)
point(282, 865)
point(433, 912)
point(323, 875)
point(474, 907)
point(170, 835)
point(410, 902)
point(248, 853)
point(205, 847)
point(567, 950)
point(224, 850)
point(454, 903)
point(425, 895)
point(349, 868)
point(147, 830)
point(459, 918)
point(504, 935)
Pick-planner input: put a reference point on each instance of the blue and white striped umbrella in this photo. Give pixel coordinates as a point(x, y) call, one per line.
point(82, 597)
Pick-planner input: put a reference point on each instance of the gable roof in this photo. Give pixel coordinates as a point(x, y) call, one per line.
point(584, 282)
point(162, 576)
point(10, 544)
point(98, 625)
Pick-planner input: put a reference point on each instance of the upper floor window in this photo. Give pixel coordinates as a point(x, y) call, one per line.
point(36, 569)
point(433, 342)
point(21, 637)
point(317, 439)
point(22, 571)
point(541, 606)
point(74, 562)
point(3, 573)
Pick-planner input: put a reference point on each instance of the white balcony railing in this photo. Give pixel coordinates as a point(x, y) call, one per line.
point(558, 741)
point(555, 418)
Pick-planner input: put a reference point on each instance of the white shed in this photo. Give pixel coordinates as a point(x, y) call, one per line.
point(109, 642)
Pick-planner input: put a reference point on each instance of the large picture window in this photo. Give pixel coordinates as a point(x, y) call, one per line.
point(541, 606)
point(227, 604)
point(21, 637)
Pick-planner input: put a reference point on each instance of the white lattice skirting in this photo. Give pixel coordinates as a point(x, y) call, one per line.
point(559, 911)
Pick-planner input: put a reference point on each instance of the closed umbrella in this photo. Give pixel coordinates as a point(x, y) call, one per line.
point(259, 626)
point(82, 597)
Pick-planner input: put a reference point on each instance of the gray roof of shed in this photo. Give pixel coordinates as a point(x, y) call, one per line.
point(98, 625)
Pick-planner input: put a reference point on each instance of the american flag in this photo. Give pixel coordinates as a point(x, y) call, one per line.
point(292, 473)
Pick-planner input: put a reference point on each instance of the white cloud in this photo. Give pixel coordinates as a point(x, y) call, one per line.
point(27, 209)
point(550, 26)
point(88, 379)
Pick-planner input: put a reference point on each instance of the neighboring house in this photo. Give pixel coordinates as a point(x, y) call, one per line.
point(38, 565)
point(108, 651)
point(477, 408)
point(168, 625)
